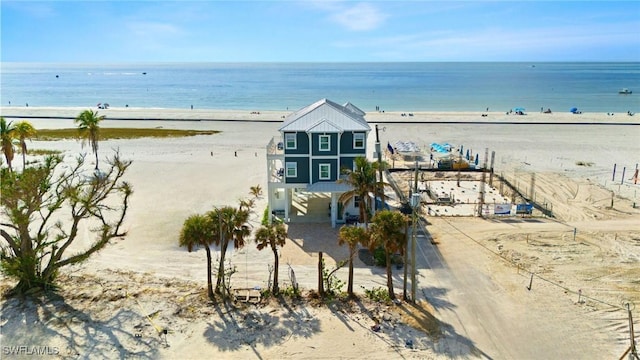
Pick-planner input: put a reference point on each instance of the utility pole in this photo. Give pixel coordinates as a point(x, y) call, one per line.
point(415, 203)
point(381, 188)
point(406, 263)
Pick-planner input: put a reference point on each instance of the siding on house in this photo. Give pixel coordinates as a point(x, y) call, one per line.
point(346, 162)
point(302, 164)
point(302, 143)
point(346, 143)
point(333, 144)
point(315, 169)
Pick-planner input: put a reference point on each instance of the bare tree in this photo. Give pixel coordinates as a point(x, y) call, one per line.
point(36, 239)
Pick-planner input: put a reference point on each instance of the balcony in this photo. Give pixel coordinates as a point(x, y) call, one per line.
point(275, 146)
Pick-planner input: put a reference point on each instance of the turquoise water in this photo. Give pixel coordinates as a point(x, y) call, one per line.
point(591, 87)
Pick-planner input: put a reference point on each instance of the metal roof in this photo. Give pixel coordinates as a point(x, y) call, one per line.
point(328, 186)
point(324, 126)
point(326, 116)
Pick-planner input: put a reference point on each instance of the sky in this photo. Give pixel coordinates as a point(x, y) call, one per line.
point(318, 31)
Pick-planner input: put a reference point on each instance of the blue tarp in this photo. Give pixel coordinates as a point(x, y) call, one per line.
point(441, 148)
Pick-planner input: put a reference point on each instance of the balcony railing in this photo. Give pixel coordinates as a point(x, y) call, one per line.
point(275, 146)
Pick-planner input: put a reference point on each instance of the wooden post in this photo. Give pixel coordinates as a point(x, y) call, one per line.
point(320, 279)
point(624, 169)
point(614, 173)
point(533, 187)
point(493, 157)
point(459, 167)
point(530, 282)
point(482, 182)
point(613, 194)
point(632, 350)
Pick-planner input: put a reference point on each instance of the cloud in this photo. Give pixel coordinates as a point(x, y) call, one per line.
point(37, 10)
point(153, 29)
point(359, 17)
point(566, 42)
point(355, 17)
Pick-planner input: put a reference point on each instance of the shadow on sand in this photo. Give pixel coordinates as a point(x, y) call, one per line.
point(236, 327)
point(52, 326)
point(445, 338)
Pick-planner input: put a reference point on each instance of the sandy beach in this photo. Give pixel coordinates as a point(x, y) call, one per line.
point(473, 280)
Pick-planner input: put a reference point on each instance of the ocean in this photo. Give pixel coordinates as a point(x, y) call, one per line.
point(499, 86)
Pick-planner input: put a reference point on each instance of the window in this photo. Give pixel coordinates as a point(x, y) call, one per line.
point(358, 141)
point(325, 171)
point(292, 169)
point(290, 141)
point(325, 145)
point(356, 202)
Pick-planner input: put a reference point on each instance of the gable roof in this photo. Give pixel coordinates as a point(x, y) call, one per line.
point(326, 116)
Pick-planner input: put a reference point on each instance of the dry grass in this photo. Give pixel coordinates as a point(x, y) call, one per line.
point(420, 317)
point(121, 133)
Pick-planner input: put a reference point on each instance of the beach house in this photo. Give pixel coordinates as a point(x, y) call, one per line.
point(305, 161)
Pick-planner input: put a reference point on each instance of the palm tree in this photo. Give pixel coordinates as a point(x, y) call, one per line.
point(272, 235)
point(233, 225)
point(24, 130)
point(363, 182)
point(387, 230)
point(7, 134)
point(352, 236)
point(89, 129)
point(197, 231)
point(255, 191)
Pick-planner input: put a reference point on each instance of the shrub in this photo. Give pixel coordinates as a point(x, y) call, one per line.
point(377, 294)
point(380, 258)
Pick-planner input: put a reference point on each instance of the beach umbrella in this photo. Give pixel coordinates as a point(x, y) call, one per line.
point(573, 109)
point(461, 147)
point(476, 159)
point(519, 109)
point(467, 154)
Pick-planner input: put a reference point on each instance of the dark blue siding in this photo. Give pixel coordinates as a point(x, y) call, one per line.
point(333, 144)
point(315, 169)
point(302, 144)
point(346, 162)
point(303, 170)
point(346, 143)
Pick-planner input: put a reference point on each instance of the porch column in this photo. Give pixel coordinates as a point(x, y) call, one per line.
point(270, 190)
point(334, 209)
point(287, 203)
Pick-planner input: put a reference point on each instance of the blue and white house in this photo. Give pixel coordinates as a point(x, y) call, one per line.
point(305, 162)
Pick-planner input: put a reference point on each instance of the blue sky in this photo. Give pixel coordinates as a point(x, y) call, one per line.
point(303, 31)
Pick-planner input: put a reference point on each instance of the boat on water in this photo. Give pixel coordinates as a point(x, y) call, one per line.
point(625, 91)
